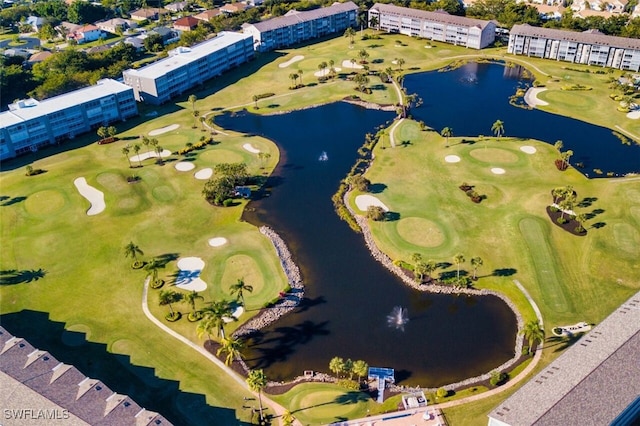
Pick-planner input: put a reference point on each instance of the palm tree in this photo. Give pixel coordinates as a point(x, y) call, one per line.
point(239, 288)
point(232, 347)
point(556, 193)
point(533, 331)
point(351, 33)
point(400, 62)
point(348, 367)
point(476, 262)
point(205, 326)
point(151, 268)
point(287, 418)
point(458, 259)
point(146, 142)
point(447, 132)
point(294, 79)
point(217, 312)
point(567, 203)
point(111, 131)
point(191, 298)
point(300, 72)
point(373, 23)
point(429, 267)
point(167, 297)
point(363, 54)
point(336, 365)
point(360, 369)
point(558, 145)
point(195, 114)
point(192, 101)
point(257, 381)
point(498, 128)
point(581, 219)
point(136, 149)
point(159, 152)
point(132, 250)
point(565, 157)
point(125, 151)
point(102, 132)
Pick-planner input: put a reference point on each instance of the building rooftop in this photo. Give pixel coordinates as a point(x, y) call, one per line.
point(30, 108)
point(184, 55)
point(591, 383)
point(438, 16)
point(294, 17)
point(590, 37)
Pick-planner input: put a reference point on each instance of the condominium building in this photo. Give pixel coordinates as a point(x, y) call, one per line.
point(29, 124)
point(438, 26)
point(296, 27)
point(590, 47)
point(187, 67)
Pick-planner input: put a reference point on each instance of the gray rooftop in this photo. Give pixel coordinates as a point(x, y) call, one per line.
point(34, 379)
point(184, 55)
point(439, 16)
point(590, 37)
point(591, 383)
point(294, 17)
point(61, 102)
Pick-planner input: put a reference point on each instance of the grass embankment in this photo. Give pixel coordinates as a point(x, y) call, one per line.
point(88, 284)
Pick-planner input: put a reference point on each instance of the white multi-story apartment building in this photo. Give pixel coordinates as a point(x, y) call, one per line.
point(29, 124)
point(438, 26)
point(590, 47)
point(296, 27)
point(187, 67)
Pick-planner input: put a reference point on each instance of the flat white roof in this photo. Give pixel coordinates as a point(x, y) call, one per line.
point(185, 55)
point(61, 102)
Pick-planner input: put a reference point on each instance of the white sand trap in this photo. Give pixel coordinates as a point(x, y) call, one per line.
point(452, 159)
point(528, 149)
point(151, 154)
point(189, 276)
point(162, 130)
point(364, 201)
point(326, 71)
point(236, 314)
point(217, 241)
point(204, 174)
point(184, 166)
point(497, 171)
point(251, 148)
point(95, 196)
point(291, 61)
point(634, 115)
point(531, 97)
point(348, 64)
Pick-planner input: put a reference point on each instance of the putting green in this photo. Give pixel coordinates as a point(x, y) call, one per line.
point(551, 288)
point(44, 203)
point(627, 238)
point(163, 193)
point(325, 404)
point(242, 266)
point(217, 156)
point(76, 335)
point(635, 212)
point(494, 155)
point(419, 231)
point(574, 100)
point(128, 203)
point(148, 175)
point(633, 195)
point(113, 182)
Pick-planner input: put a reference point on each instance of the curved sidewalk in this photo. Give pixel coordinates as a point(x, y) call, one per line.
point(278, 410)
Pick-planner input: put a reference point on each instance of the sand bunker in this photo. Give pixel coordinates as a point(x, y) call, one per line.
point(95, 196)
point(291, 61)
point(452, 159)
point(531, 97)
point(325, 72)
point(162, 130)
point(236, 314)
point(634, 115)
point(348, 64)
point(151, 154)
point(528, 149)
point(204, 174)
point(217, 241)
point(189, 275)
point(497, 171)
point(364, 201)
point(250, 148)
point(184, 166)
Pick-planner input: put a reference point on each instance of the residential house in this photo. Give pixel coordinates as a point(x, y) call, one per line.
point(150, 14)
point(596, 381)
point(295, 27)
point(177, 6)
point(48, 391)
point(169, 35)
point(136, 41)
point(86, 34)
point(117, 25)
point(188, 23)
point(31, 124)
point(187, 67)
point(36, 22)
point(38, 57)
point(590, 47)
point(207, 15)
point(17, 52)
point(439, 25)
point(231, 8)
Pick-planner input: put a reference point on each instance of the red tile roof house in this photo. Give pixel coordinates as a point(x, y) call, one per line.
point(188, 23)
point(208, 14)
point(87, 34)
point(233, 8)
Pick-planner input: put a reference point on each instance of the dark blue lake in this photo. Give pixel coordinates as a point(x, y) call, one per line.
point(348, 294)
point(471, 98)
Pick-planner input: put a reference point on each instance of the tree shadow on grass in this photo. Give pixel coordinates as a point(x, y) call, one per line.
point(504, 272)
point(560, 343)
point(13, 276)
point(377, 188)
point(8, 201)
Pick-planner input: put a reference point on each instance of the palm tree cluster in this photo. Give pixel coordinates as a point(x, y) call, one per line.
point(533, 331)
point(341, 367)
point(562, 163)
point(423, 268)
